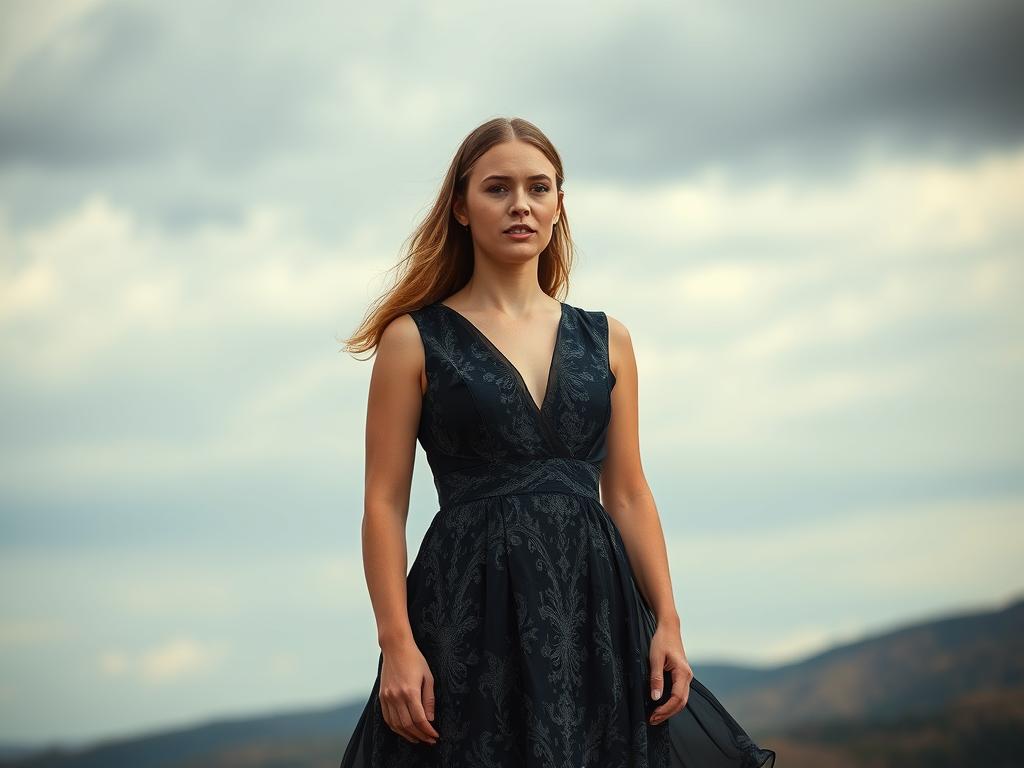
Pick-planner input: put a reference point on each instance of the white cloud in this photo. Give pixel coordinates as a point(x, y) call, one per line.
point(172, 590)
point(32, 632)
point(26, 27)
point(283, 665)
point(905, 558)
point(173, 660)
point(753, 307)
point(96, 278)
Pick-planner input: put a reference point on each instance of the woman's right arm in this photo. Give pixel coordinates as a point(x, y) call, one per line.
point(392, 419)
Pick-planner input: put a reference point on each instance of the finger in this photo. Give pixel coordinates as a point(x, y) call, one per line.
point(657, 672)
point(389, 717)
point(394, 719)
point(428, 703)
point(420, 725)
point(428, 696)
point(413, 718)
point(680, 694)
point(681, 677)
point(408, 722)
point(669, 708)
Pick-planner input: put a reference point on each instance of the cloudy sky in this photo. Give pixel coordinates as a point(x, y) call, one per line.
point(809, 216)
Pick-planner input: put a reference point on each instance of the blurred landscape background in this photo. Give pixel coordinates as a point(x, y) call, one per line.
point(810, 216)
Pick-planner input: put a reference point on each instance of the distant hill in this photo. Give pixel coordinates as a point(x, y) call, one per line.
point(976, 731)
point(936, 693)
point(919, 669)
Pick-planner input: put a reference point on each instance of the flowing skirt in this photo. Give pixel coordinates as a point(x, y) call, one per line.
point(526, 609)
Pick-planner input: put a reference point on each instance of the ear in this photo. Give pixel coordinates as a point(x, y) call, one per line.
point(459, 210)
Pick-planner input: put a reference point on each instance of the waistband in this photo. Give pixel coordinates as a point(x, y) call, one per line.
point(499, 478)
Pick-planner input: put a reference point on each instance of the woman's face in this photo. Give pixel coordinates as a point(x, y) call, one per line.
point(512, 183)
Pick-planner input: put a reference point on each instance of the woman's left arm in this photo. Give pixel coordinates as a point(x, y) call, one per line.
point(628, 500)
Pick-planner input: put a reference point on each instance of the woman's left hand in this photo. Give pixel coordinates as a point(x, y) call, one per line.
point(667, 655)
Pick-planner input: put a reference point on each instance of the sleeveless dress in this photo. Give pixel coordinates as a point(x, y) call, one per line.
point(521, 597)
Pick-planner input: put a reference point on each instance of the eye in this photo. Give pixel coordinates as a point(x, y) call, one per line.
point(543, 187)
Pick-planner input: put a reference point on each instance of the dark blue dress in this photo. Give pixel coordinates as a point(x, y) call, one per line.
point(521, 597)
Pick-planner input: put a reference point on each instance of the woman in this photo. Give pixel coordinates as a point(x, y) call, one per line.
point(536, 626)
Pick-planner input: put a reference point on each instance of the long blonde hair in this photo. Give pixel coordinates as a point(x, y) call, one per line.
point(440, 256)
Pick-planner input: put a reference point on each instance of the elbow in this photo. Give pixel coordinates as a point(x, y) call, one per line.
point(626, 496)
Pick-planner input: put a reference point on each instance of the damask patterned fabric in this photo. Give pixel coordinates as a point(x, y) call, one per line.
point(522, 598)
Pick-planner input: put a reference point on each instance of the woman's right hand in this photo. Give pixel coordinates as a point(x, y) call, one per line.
point(407, 693)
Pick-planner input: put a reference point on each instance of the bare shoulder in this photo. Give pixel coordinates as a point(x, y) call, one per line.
point(618, 334)
point(400, 351)
point(401, 334)
point(620, 344)
point(617, 330)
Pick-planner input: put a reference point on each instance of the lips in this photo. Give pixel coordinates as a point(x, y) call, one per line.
point(519, 227)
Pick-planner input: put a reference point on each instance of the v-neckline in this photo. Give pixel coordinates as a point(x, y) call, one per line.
point(548, 386)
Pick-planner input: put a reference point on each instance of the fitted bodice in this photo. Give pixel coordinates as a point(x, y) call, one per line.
point(482, 430)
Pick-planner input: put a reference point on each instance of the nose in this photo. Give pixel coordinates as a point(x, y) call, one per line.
point(519, 204)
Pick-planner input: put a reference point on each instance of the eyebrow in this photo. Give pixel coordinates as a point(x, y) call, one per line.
point(507, 178)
